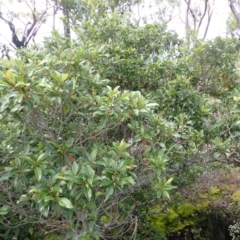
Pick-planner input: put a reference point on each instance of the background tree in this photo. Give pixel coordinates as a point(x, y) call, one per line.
point(233, 23)
point(74, 12)
point(35, 20)
point(234, 6)
point(198, 15)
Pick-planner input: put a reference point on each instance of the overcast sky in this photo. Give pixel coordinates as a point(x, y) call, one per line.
point(148, 9)
point(217, 26)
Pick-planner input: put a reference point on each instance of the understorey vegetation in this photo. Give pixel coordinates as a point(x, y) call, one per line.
point(122, 132)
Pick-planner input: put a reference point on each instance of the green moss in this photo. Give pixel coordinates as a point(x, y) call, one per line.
point(177, 217)
point(164, 220)
point(214, 191)
point(172, 215)
point(186, 210)
point(212, 194)
point(236, 197)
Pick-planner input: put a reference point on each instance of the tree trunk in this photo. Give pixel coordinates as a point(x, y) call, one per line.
point(66, 21)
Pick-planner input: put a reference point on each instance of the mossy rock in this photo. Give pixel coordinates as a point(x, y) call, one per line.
point(192, 207)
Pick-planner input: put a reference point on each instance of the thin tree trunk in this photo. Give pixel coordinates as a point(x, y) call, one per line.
point(66, 21)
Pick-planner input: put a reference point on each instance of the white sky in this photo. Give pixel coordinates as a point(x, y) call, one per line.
point(220, 15)
point(217, 25)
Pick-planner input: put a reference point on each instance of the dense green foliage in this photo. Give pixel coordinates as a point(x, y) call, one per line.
point(96, 132)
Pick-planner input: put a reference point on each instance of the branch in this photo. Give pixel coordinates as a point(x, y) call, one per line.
point(187, 27)
point(203, 15)
point(15, 39)
point(208, 23)
point(192, 13)
point(234, 11)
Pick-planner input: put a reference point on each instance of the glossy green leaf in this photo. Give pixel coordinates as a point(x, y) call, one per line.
point(109, 192)
point(75, 168)
point(30, 230)
point(4, 210)
point(64, 202)
point(38, 173)
point(48, 198)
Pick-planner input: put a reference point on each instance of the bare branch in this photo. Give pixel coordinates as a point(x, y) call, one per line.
point(197, 13)
point(210, 12)
point(192, 14)
point(204, 13)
